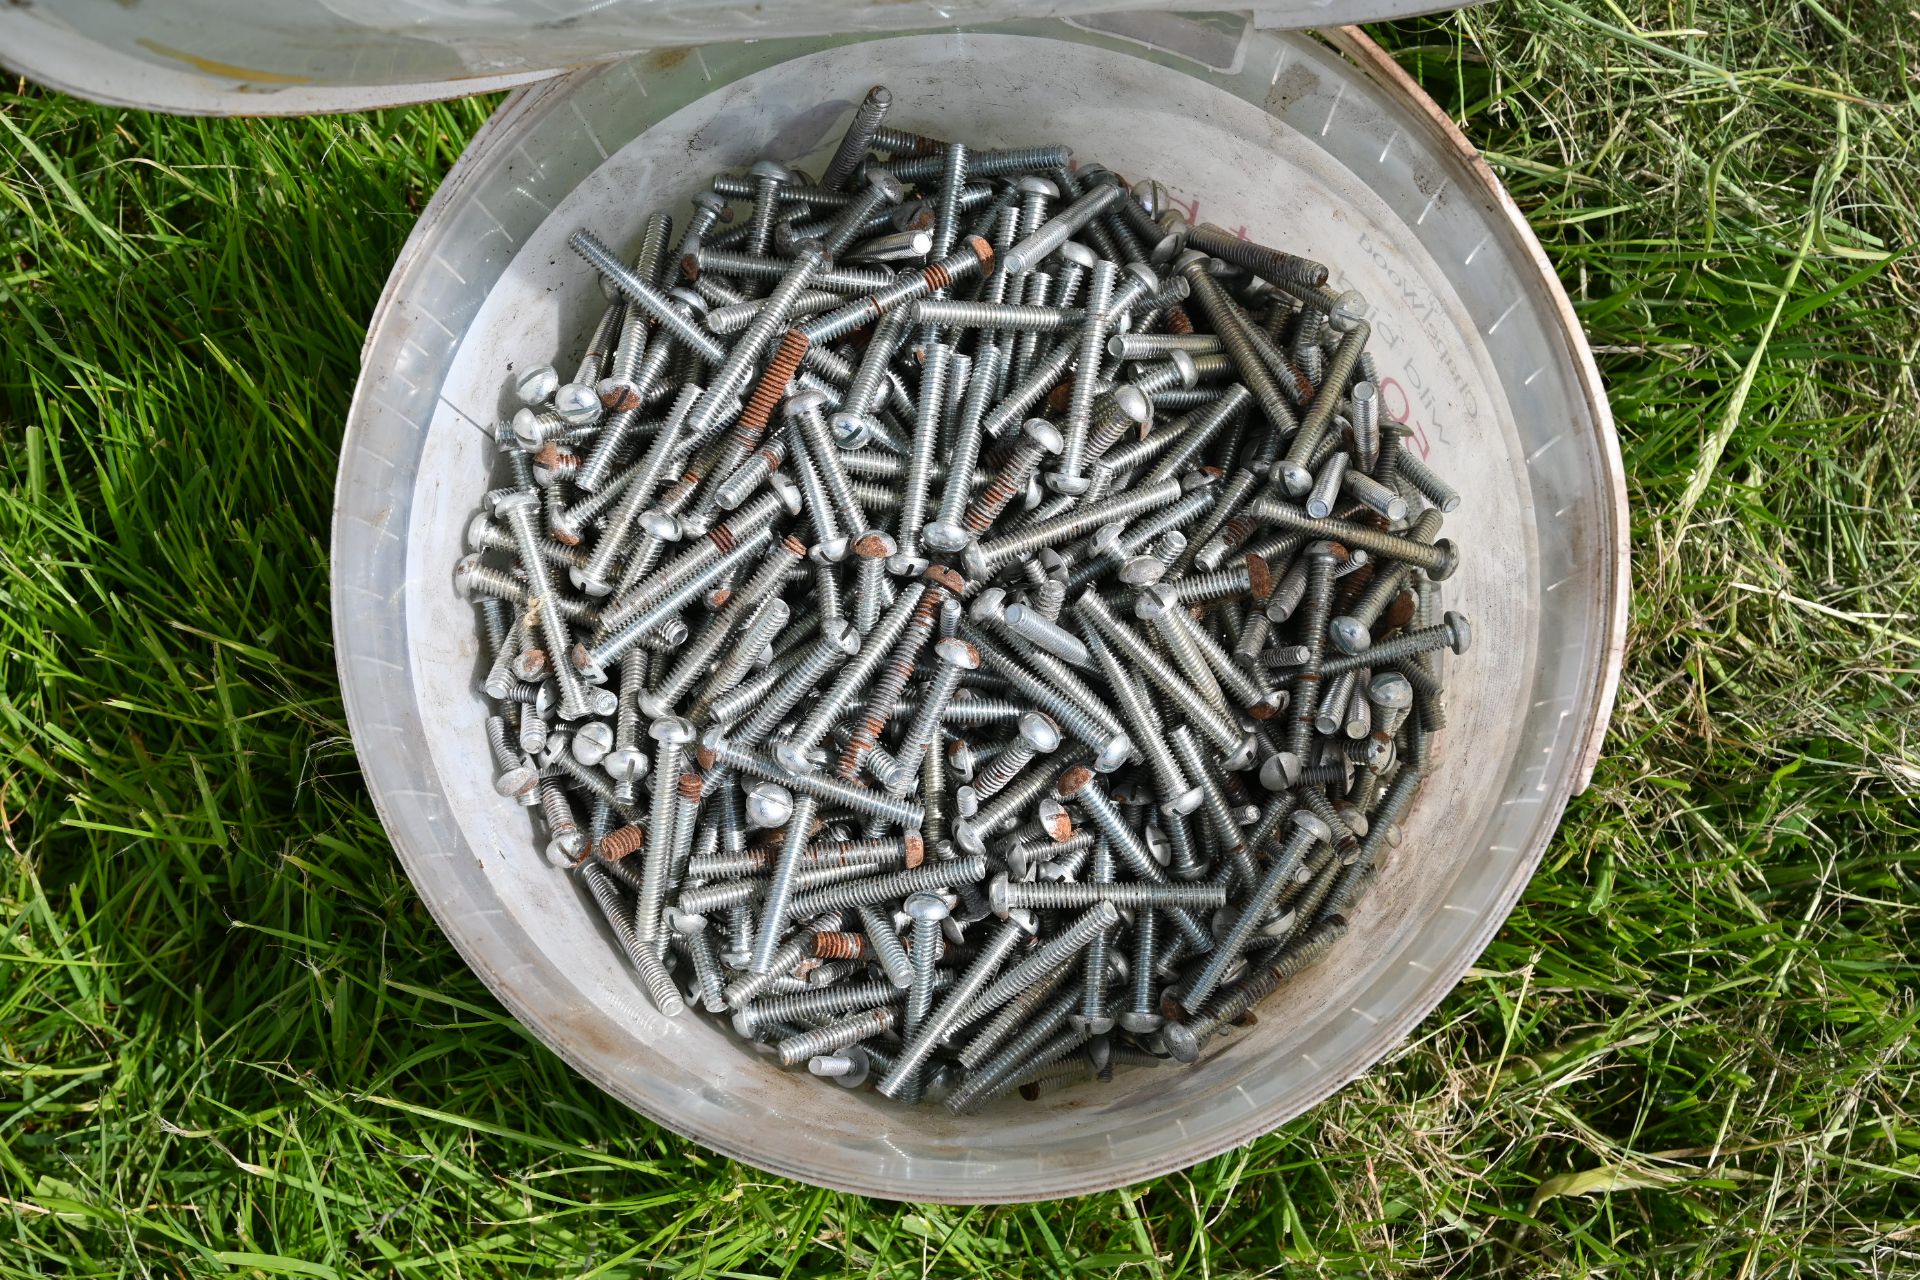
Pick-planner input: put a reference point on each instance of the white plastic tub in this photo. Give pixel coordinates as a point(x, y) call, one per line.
point(1329, 152)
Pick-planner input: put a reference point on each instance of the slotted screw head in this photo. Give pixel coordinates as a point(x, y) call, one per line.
point(926, 906)
point(592, 740)
point(674, 731)
point(1044, 434)
point(1459, 631)
point(577, 404)
point(768, 805)
point(1039, 731)
point(521, 780)
point(537, 384)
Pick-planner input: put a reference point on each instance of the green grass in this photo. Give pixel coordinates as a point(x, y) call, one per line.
point(232, 1038)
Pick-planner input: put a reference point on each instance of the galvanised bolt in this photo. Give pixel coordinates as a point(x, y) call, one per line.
point(1453, 633)
point(928, 423)
point(1439, 558)
point(1006, 895)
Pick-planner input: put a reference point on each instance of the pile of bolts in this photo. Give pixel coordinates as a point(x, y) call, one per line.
point(971, 626)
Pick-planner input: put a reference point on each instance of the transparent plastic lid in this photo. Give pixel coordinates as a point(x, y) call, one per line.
point(300, 57)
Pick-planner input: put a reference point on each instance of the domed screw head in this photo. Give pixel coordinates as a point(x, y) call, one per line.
point(1183, 365)
point(519, 781)
point(625, 764)
point(1039, 731)
point(672, 731)
point(802, 402)
point(537, 384)
point(1459, 631)
point(852, 430)
point(1448, 560)
point(1035, 185)
point(768, 805)
point(1349, 309)
point(656, 523)
point(526, 429)
point(563, 850)
point(1390, 691)
point(956, 652)
point(946, 536)
point(1140, 1024)
point(592, 740)
point(1117, 751)
point(930, 907)
point(999, 895)
point(466, 576)
point(1079, 255)
point(577, 404)
point(1281, 771)
point(1349, 634)
point(989, 607)
point(771, 171)
point(1142, 570)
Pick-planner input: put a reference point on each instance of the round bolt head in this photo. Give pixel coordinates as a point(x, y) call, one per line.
point(1079, 254)
point(710, 201)
point(960, 761)
point(1191, 260)
point(841, 634)
point(674, 731)
point(1309, 821)
point(1070, 486)
point(803, 402)
point(792, 757)
point(625, 764)
point(577, 404)
point(1035, 185)
point(1183, 364)
point(832, 551)
point(1140, 1024)
point(526, 429)
point(946, 536)
point(1039, 731)
point(926, 906)
point(1106, 539)
point(1459, 631)
point(1142, 571)
point(1180, 1043)
point(1390, 691)
point(906, 565)
point(998, 895)
point(1151, 194)
point(1296, 478)
point(1114, 754)
point(851, 430)
point(537, 384)
point(1154, 601)
point(562, 850)
point(1281, 771)
point(887, 185)
point(1184, 803)
point(685, 923)
point(974, 561)
point(1145, 274)
point(787, 491)
point(967, 837)
point(1098, 1025)
point(466, 571)
point(518, 781)
point(1349, 309)
point(1133, 402)
point(956, 652)
point(768, 805)
point(591, 742)
point(1349, 634)
point(989, 607)
point(772, 170)
point(1044, 434)
point(658, 524)
point(1449, 560)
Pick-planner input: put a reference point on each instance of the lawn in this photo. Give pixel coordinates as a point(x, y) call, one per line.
point(233, 1039)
